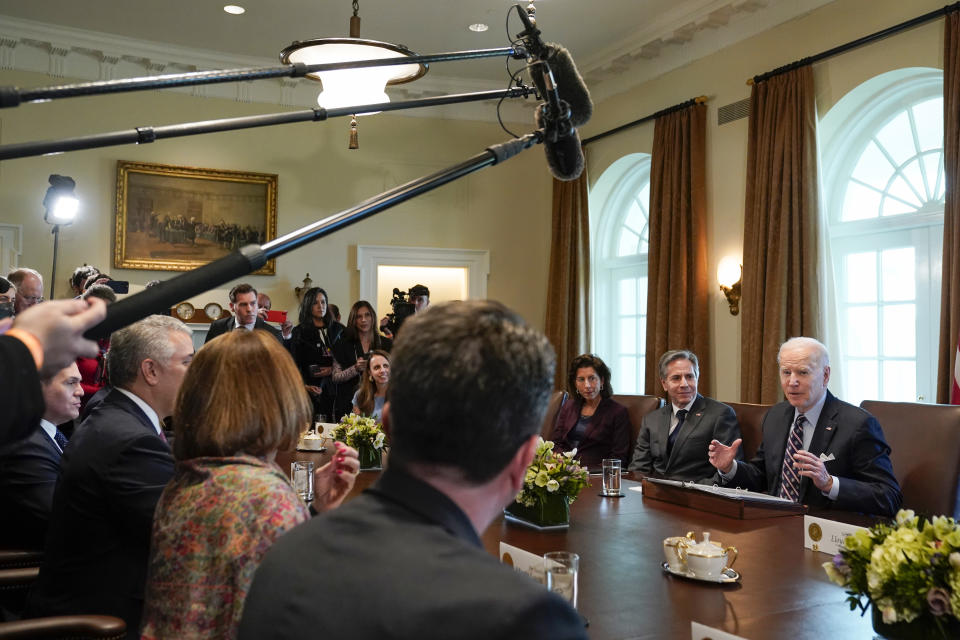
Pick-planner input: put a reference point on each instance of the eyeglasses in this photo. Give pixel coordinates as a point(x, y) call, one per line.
point(33, 299)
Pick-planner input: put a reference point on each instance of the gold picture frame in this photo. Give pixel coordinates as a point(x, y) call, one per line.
point(171, 218)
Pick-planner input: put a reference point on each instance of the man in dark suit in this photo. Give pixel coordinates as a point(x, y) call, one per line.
point(243, 303)
point(44, 339)
point(404, 560)
point(29, 468)
point(673, 440)
point(112, 475)
point(816, 449)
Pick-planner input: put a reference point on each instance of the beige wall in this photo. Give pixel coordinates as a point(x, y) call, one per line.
point(722, 77)
point(504, 209)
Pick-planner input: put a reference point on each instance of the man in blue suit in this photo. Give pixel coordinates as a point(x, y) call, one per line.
point(243, 303)
point(29, 467)
point(112, 475)
point(816, 449)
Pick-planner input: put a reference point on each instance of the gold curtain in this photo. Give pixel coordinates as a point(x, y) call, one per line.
point(950, 287)
point(567, 324)
point(677, 304)
point(780, 288)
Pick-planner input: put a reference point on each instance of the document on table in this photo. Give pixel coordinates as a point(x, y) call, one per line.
point(727, 492)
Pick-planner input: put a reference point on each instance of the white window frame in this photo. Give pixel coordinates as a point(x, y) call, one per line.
point(609, 205)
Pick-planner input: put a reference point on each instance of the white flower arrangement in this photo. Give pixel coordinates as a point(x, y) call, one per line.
point(357, 431)
point(552, 473)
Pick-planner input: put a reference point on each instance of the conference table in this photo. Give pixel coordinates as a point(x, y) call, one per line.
point(624, 593)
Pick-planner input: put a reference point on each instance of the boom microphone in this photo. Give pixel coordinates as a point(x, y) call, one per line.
point(570, 85)
point(561, 141)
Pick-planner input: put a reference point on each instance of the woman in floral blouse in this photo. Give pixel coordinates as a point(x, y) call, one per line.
point(241, 401)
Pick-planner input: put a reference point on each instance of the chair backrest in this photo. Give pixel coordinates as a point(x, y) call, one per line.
point(550, 420)
point(637, 407)
point(750, 417)
point(924, 444)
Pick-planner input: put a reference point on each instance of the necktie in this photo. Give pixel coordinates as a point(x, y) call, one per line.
point(789, 479)
point(681, 416)
point(60, 439)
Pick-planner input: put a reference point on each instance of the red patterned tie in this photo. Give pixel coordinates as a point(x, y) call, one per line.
point(789, 478)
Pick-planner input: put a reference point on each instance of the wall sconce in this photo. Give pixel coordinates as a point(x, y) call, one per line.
point(730, 277)
point(307, 284)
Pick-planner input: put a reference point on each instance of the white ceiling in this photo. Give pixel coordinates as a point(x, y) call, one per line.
point(616, 43)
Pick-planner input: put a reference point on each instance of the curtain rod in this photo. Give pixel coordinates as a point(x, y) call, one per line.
point(853, 44)
point(652, 116)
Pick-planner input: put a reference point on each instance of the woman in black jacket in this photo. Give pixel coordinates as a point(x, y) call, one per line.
point(311, 346)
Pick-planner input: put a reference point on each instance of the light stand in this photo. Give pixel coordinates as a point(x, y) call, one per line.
point(60, 209)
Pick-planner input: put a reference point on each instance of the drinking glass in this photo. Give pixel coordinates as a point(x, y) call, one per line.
point(611, 477)
point(301, 476)
point(561, 569)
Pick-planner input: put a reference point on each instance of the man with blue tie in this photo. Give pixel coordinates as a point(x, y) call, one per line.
point(29, 467)
point(673, 440)
point(111, 477)
point(816, 449)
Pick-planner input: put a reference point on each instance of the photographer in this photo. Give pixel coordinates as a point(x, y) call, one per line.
point(404, 305)
point(351, 353)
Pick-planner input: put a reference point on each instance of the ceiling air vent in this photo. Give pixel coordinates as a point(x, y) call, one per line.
point(733, 111)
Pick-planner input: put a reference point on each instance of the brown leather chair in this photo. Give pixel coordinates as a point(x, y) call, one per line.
point(553, 409)
point(750, 417)
point(64, 628)
point(637, 407)
point(19, 569)
point(924, 444)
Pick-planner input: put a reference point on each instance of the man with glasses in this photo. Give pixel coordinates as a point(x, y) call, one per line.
point(29, 284)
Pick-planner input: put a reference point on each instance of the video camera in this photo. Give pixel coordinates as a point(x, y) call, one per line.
point(402, 309)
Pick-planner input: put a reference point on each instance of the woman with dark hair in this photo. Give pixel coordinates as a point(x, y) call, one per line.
point(311, 345)
point(590, 421)
point(372, 394)
point(240, 403)
point(351, 353)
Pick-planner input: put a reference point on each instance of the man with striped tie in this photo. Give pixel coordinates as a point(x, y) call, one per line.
point(29, 468)
point(816, 449)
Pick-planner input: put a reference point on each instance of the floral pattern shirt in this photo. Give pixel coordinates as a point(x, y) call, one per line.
point(213, 524)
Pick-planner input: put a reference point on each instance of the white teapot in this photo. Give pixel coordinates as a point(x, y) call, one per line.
point(707, 559)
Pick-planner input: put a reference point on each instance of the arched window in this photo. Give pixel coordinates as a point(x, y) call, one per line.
point(884, 188)
point(620, 229)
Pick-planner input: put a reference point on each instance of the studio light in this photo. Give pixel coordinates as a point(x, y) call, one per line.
point(60, 209)
point(60, 204)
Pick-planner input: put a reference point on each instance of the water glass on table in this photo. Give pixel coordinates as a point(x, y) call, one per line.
point(301, 476)
point(561, 568)
point(611, 477)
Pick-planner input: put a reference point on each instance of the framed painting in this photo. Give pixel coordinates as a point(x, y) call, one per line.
point(177, 218)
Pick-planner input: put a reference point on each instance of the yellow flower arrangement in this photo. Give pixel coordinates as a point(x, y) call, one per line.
point(552, 473)
point(905, 570)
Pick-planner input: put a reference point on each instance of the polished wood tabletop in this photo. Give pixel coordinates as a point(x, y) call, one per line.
point(624, 593)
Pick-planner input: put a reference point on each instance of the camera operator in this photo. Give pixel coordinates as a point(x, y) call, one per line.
point(404, 305)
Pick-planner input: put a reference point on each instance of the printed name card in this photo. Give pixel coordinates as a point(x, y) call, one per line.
point(826, 536)
point(703, 632)
point(523, 561)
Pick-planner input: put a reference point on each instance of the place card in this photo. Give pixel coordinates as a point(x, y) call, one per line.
point(523, 561)
point(826, 536)
point(703, 632)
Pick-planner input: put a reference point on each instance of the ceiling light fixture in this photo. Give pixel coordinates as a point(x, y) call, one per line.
point(348, 87)
point(234, 9)
point(479, 27)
